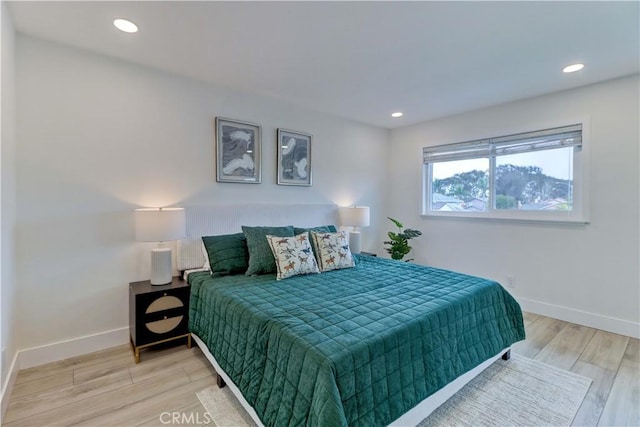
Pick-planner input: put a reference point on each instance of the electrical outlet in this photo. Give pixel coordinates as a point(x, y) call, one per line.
point(511, 282)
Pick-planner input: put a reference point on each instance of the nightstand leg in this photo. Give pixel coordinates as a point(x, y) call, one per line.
point(136, 350)
point(189, 341)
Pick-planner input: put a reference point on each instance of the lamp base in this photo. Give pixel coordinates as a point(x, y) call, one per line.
point(354, 242)
point(161, 266)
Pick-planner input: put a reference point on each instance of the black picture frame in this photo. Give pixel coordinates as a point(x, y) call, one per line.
point(238, 151)
point(294, 158)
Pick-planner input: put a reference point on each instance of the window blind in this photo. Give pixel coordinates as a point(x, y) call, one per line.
point(547, 139)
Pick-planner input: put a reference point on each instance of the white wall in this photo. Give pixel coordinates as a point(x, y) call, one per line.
point(100, 137)
point(7, 199)
point(589, 271)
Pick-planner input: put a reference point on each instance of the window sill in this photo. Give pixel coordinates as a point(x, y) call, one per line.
point(531, 219)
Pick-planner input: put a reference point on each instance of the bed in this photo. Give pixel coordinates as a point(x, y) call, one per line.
point(359, 346)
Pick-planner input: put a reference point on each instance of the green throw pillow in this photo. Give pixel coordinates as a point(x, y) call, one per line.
point(320, 229)
point(261, 260)
point(227, 253)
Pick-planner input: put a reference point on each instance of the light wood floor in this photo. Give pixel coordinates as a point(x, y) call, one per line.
point(108, 389)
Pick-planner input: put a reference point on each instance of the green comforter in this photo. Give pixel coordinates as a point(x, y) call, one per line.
point(359, 346)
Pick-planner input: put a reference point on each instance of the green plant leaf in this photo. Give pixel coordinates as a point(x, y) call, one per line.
point(410, 233)
point(396, 222)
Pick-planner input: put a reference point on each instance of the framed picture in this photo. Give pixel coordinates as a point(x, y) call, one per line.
point(238, 151)
point(294, 158)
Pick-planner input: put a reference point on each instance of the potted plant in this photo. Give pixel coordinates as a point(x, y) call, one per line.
point(399, 242)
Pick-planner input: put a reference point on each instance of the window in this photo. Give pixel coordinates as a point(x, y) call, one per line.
point(535, 176)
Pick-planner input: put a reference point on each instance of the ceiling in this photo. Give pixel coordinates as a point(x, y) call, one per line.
point(361, 60)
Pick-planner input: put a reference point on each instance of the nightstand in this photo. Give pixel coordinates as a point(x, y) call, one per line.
point(158, 314)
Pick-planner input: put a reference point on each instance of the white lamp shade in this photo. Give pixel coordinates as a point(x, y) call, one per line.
point(356, 216)
point(160, 224)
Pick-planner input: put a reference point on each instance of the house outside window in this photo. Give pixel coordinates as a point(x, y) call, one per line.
point(539, 175)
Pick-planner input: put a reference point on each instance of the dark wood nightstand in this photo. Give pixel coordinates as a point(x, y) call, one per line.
point(158, 314)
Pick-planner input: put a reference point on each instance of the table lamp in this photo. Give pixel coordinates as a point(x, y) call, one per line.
point(160, 225)
point(355, 216)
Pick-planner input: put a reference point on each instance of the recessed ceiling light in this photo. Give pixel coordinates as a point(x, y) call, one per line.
point(573, 68)
point(125, 25)
point(398, 114)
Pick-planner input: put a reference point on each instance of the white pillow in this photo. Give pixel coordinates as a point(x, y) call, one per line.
point(293, 255)
point(333, 250)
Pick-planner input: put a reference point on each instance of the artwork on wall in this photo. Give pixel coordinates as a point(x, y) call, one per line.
point(238, 151)
point(294, 158)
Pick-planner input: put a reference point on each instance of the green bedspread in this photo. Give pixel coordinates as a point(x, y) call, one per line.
point(359, 346)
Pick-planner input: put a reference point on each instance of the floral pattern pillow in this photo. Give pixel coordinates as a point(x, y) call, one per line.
point(293, 255)
point(333, 250)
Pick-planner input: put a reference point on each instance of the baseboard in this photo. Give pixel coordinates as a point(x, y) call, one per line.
point(71, 348)
point(593, 320)
point(7, 387)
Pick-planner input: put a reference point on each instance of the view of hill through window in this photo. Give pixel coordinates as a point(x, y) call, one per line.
point(539, 180)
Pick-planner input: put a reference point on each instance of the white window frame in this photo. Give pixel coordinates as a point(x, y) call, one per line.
point(579, 213)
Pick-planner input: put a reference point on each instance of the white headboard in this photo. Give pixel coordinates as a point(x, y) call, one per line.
point(212, 220)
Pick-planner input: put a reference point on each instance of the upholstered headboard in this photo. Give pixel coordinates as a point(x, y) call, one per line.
point(225, 219)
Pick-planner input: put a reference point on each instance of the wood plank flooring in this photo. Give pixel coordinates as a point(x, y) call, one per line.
point(108, 389)
point(613, 398)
